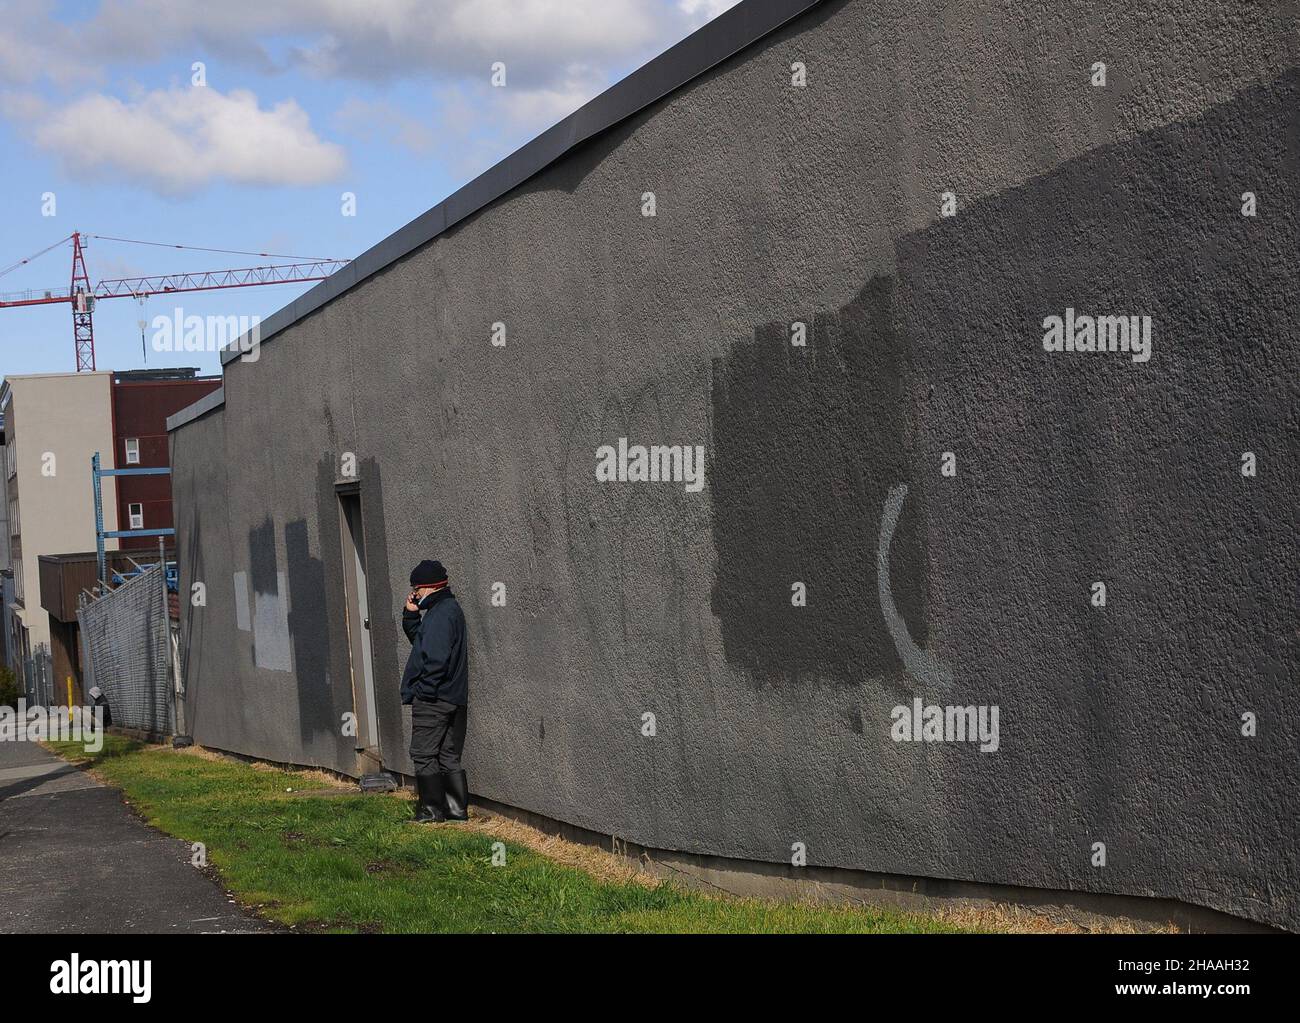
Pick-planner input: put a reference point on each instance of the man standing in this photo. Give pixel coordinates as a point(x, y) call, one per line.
point(436, 686)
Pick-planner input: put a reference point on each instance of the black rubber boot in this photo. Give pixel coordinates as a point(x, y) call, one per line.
point(457, 788)
point(431, 808)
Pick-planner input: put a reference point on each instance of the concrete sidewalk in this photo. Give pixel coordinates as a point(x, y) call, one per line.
point(74, 859)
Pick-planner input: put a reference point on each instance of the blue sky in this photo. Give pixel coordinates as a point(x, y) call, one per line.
point(304, 100)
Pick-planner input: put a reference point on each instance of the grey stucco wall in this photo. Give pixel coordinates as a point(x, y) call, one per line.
point(775, 204)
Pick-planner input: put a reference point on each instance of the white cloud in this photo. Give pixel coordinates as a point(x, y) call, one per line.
point(386, 39)
point(541, 107)
point(558, 54)
point(705, 10)
point(36, 47)
point(180, 140)
point(379, 121)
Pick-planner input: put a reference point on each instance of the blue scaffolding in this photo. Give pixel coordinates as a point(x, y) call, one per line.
point(101, 534)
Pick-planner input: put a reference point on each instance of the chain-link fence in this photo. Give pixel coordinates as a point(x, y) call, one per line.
point(126, 647)
point(38, 676)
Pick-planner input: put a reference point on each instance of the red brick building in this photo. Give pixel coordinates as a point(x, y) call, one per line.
point(142, 401)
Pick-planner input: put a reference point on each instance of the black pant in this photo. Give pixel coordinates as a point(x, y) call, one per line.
point(437, 736)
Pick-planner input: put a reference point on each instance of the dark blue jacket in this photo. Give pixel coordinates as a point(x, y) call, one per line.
point(438, 668)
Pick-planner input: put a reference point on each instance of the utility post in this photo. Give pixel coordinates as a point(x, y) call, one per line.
point(95, 473)
point(173, 669)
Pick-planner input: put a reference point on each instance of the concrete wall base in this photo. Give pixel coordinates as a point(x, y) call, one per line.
point(840, 886)
point(140, 735)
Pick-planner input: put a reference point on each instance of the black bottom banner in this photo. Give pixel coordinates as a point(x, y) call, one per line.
point(1220, 973)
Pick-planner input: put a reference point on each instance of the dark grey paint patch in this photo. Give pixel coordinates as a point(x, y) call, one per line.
point(807, 442)
point(261, 561)
point(311, 628)
point(261, 557)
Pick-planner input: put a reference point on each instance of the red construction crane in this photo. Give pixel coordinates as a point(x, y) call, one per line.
point(82, 296)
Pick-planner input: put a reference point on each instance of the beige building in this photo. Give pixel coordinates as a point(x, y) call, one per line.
point(53, 425)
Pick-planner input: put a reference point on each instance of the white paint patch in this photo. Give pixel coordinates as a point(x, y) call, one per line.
point(242, 619)
point(271, 647)
point(923, 666)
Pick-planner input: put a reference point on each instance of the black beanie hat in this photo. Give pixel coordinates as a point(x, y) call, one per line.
point(428, 573)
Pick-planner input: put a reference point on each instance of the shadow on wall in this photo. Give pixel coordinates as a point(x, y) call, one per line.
point(1072, 468)
point(191, 634)
point(386, 640)
point(317, 630)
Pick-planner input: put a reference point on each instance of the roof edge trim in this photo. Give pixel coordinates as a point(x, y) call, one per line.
point(708, 46)
point(211, 400)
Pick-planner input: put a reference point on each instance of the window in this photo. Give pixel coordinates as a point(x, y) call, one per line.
point(133, 451)
point(136, 514)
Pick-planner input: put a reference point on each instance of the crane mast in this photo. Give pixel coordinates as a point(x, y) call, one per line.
point(83, 308)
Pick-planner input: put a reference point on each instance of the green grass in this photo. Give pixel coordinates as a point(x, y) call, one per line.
point(352, 863)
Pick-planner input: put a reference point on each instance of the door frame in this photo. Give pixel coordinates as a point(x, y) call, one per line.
point(357, 617)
